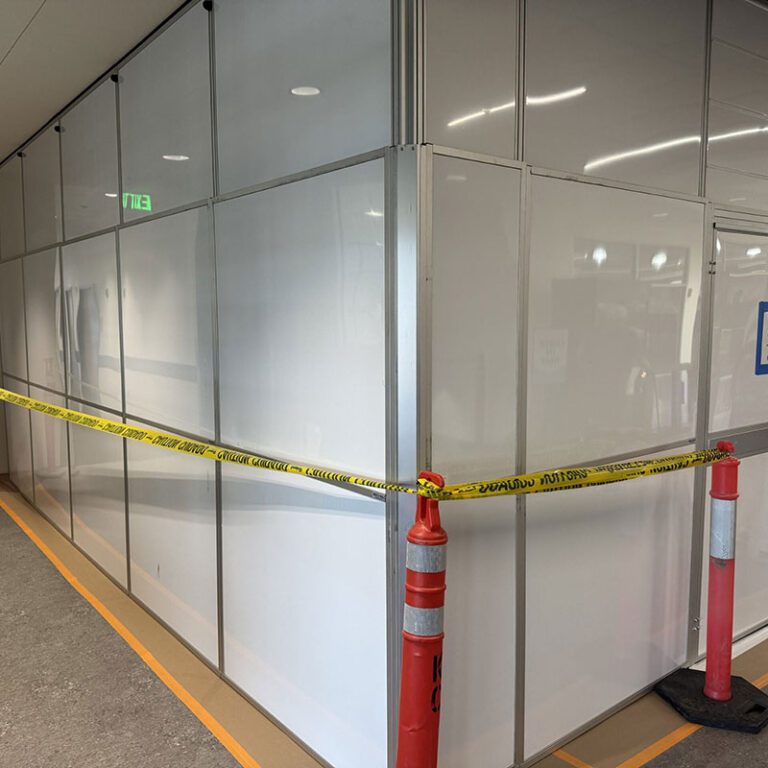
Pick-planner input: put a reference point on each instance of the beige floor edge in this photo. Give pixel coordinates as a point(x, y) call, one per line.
point(253, 739)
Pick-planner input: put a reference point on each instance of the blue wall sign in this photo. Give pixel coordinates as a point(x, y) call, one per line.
point(761, 366)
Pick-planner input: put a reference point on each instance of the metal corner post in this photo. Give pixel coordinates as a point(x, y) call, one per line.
point(405, 338)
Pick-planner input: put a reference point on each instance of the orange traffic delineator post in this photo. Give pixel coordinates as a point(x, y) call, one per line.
point(422, 668)
point(713, 697)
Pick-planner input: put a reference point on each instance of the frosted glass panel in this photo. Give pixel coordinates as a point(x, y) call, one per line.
point(92, 324)
point(751, 589)
point(743, 23)
point(264, 50)
point(739, 397)
point(737, 189)
point(737, 140)
point(11, 210)
point(619, 271)
point(19, 441)
point(622, 608)
point(42, 191)
point(42, 291)
point(615, 89)
point(290, 545)
point(474, 360)
point(12, 325)
point(98, 494)
point(738, 77)
point(165, 119)
point(471, 75)
point(51, 454)
point(301, 319)
point(172, 516)
point(89, 161)
point(167, 321)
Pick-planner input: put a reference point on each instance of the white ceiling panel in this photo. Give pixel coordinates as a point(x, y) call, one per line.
point(50, 50)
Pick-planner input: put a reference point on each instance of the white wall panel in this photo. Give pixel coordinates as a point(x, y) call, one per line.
point(167, 273)
point(19, 441)
point(165, 119)
point(172, 518)
point(615, 284)
point(743, 23)
point(264, 50)
point(751, 587)
point(737, 189)
point(474, 362)
point(607, 597)
point(615, 89)
point(12, 322)
point(738, 77)
point(300, 271)
point(51, 462)
point(98, 494)
point(89, 163)
point(305, 610)
point(471, 75)
point(11, 210)
point(42, 191)
point(45, 339)
point(89, 269)
point(737, 140)
point(739, 397)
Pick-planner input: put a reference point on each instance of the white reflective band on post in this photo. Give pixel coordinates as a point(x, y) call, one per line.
point(722, 531)
point(425, 559)
point(423, 622)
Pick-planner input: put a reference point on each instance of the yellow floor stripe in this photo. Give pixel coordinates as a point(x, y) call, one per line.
point(567, 757)
point(660, 746)
point(198, 710)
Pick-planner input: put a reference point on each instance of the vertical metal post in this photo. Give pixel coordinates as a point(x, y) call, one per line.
point(705, 100)
point(521, 81)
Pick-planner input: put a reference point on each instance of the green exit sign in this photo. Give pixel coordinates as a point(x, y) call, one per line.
point(137, 202)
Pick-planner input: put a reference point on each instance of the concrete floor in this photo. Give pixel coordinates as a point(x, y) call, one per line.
point(75, 694)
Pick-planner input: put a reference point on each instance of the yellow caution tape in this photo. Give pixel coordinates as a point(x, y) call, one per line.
point(535, 482)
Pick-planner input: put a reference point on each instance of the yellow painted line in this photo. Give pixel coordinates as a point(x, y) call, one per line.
point(660, 746)
point(761, 682)
point(567, 757)
point(198, 710)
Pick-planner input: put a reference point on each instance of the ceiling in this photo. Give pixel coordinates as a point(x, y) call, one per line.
point(50, 50)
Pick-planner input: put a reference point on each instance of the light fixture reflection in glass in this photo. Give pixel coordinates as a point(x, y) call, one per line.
point(659, 260)
point(736, 199)
point(176, 158)
point(110, 194)
point(533, 101)
point(752, 252)
point(660, 215)
point(374, 214)
point(305, 90)
point(671, 144)
point(599, 255)
point(718, 245)
point(455, 177)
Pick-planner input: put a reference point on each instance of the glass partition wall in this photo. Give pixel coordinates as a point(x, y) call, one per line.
point(385, 236)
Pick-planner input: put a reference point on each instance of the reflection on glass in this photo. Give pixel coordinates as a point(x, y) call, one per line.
point(739, 397)
point(89, 163)
point(168, 321)
point(45, 337)
point(19, 441)
point(300, 273)
point(13, 339)
point(42, 191)
point(640, 116)
point(165, 119)
point(299, 84)
point(98, 494)
point(172, 515)
point(91, 321)
point(51, 462)
point(607, 274)
point(11, 210)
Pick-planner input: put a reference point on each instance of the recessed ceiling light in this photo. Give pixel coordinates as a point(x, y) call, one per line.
point(110, 194)
point(305, 90)
point(375, 214)
point(176, 158)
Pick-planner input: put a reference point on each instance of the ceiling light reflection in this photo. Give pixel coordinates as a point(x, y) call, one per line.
point(659, 260)
point(599, 255)
point(752, 252)
point(176, 158)
point(305, 90)
point(110, 194)
point(533, 101)
point(375, 214)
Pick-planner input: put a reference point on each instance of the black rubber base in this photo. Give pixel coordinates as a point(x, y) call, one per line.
point(747, 711)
